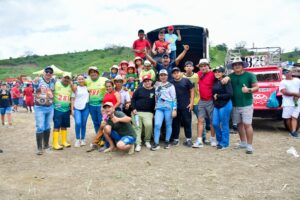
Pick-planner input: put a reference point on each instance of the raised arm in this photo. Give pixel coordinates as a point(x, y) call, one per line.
point(181, 56)
point(178, 35)
point(154, 63)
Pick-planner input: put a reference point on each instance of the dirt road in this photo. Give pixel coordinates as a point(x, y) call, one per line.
point(177, 173)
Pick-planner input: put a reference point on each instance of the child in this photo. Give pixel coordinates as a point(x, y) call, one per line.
point(147, 71)
point(123, 68)
point(171, 38)
point(138, 62)
point(113, 72)
point(5, 105)
point(131, 77)
point(160, 46)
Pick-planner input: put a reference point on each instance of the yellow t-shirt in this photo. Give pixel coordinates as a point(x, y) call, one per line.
point(194, 79)
point(150, 72)
point(97, 90)
point(62, 97)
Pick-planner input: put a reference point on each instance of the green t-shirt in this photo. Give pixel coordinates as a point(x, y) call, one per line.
point(131, 75)
point(97, 90)
point(123, 129)
point(239, 98)
point(62, 97)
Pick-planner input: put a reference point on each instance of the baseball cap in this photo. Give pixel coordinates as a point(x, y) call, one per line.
point(175, 69)
point(114, 67)
point(108, 103)
point(165, 55)
point(67, 74)
point(48, 68)
point(146, 77)
point(188, 63)
point(163, 71)
point(219, 69)
point(203, 61)
point(171, 27)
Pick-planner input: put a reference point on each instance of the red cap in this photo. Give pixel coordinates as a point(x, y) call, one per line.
point(146, 77)
point(170, 27)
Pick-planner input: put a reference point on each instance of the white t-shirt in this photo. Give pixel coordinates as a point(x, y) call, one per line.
point(81, 97)
point(290, 86)
point(125, 97)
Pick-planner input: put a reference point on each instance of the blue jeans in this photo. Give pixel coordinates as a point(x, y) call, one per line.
point(172, 55)
point(95, 112)
point(43, 118)
point(221, 117)
point(160, 115)
point(195, 110)
point(80, 117)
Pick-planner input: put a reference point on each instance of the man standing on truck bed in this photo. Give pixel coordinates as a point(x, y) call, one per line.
point(243, 85)
point(290, 89)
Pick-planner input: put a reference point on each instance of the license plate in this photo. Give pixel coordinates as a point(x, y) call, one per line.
point(264, 89)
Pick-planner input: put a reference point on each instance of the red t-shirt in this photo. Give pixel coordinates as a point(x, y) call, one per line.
point(15, 93)
point(141, 45)
point(163, 45)
point(110, 97)
point(206, 82)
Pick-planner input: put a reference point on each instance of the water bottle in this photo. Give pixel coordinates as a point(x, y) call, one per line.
point(137, 120)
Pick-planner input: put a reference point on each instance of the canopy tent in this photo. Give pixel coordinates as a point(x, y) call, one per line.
point(56, 71)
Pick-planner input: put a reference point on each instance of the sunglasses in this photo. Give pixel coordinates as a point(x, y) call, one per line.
point(49, 72)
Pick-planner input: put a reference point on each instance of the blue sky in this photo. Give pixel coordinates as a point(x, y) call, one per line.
point(60, 26)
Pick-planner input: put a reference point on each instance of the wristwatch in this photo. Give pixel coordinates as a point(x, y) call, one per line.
point(249, 90)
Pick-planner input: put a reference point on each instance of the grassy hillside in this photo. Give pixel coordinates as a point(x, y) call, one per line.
point(79, 62)
point(74, 62)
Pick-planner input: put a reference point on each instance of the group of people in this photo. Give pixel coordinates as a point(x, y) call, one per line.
point(139, 97)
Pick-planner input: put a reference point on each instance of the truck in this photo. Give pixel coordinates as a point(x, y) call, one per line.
point(265, 63)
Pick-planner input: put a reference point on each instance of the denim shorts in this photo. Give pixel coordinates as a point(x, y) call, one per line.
point(61, 119)
point(16, 101)
point(126, 139)
point(6, 110)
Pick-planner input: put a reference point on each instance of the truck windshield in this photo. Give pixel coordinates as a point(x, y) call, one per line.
point(267, 76)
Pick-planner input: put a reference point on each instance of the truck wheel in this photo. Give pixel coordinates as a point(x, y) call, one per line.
point(286, 126)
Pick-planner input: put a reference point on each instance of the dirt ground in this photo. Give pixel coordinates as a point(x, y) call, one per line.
point(177, 173)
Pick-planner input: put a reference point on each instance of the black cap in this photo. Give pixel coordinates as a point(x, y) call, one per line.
point(165, 55)
point(219, 69)
point(175, 69)
point(188, 63)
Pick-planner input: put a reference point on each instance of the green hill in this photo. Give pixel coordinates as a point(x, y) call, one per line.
point(75, 62)
point(78, 62)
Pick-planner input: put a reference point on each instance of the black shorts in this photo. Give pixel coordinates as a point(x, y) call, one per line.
point(61, 119)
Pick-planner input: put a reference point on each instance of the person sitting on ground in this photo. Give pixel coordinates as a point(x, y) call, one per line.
point(123, 68)
point(5, 105)
point(131, 77)
point(118, 129)
point(113, 72)
point(172, 38)
point(160, 46)
point(140, 45)
point(290, 89)
point(62, 111)
point(143, 103)
point(185, 102)
point(166, 62)
point(147, 71)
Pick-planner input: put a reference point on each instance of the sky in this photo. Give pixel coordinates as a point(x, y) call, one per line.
point(61, 26)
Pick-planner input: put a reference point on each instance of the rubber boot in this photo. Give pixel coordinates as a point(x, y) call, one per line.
point(64, 138)
point(39, 142)
point(55, 144)
point(46, 139)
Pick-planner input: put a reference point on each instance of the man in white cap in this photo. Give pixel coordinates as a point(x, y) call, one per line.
point(290, 88)
point(118, 128)
point(243, 84)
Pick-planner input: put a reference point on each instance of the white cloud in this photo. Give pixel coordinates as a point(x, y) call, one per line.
point(49, 27)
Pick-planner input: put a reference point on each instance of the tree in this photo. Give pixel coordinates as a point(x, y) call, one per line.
point(222, 47)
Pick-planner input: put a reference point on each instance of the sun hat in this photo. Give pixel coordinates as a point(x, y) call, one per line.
point(137, 58)
point(93, 68)
point(237, 60)
point(114, 67)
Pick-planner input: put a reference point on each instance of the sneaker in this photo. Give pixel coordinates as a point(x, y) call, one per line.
point(167, 145)
point(206, 142)
point(175, 143)
point(101, 149)
point(213, 142)
point(155, 147)
point(10, 126)
point(77, 143)
point(294, 135)
point(83, 143)
point(93, 147)
point(188, 143)
point(131, 150)
point(221, 148)
point(138, 148)
point(249, 150)
point(240, 146)
point(148, 145)
point(197, 144)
